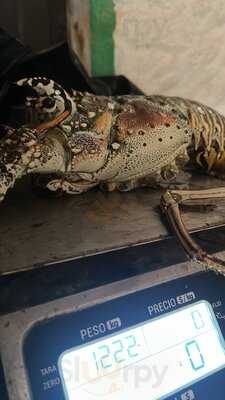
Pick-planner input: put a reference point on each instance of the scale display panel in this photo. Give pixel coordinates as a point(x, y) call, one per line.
point(132, 339)
point(178, 349)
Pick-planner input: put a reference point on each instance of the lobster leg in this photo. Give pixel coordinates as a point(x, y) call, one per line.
point(70, 187)
point(170, 204)
point(22, 153)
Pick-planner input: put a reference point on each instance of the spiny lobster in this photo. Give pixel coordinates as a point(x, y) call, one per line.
point(76, 141)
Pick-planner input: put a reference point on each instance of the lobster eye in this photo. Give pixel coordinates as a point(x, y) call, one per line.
point(45, 81)
point(48, 103)
point(35, 82)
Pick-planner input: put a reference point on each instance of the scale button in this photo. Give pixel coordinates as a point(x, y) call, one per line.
point(189, 395)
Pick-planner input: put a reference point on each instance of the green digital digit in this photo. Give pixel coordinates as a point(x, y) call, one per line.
point(96, 361)
point(197, 319)
point(106, 356)
point(132, 343)
point(117, 353)
point(192, 348)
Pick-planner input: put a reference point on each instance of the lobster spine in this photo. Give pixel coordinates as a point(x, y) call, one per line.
point(206, 147)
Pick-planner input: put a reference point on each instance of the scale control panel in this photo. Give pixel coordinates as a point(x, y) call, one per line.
point(132, 339)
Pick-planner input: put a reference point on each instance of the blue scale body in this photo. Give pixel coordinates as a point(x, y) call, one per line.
point(55, 336)
point(33, 336)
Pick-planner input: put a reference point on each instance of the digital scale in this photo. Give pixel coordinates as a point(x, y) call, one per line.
point(135, 321)
point(97, 301)
point(159, 335)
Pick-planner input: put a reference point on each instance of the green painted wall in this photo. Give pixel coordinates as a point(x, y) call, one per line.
point(102, 26)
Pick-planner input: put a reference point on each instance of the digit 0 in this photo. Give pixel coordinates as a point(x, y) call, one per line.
point(195, 356)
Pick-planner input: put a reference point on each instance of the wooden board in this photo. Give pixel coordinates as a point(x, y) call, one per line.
point(36, 229)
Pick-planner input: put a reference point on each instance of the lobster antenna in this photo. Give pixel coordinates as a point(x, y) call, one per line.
point(52, 124)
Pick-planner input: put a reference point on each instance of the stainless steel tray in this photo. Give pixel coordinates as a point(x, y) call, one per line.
point(37, 230)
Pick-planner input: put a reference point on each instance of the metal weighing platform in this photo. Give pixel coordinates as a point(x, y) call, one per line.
point(98, 300)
